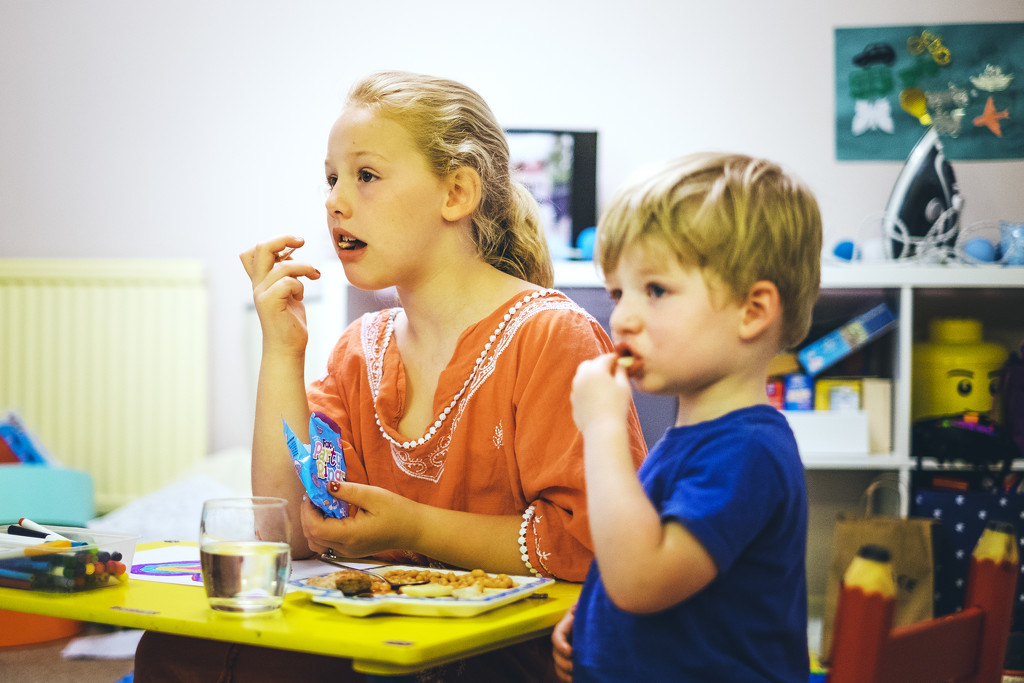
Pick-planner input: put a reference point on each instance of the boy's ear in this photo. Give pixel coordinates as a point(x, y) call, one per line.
point(761, 308)
point(463, 185)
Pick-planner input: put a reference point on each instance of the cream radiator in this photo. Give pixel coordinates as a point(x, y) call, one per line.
point(106, 362)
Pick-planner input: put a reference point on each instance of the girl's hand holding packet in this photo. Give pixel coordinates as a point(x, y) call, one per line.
point(320, 462)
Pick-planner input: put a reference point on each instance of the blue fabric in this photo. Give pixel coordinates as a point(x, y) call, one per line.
point(962, 517)
point(737, 484)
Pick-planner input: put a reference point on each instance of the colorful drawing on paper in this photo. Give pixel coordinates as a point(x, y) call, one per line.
point(965, 80)
point(190, 569)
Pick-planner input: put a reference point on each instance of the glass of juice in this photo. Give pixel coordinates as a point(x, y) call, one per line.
point(245, 554)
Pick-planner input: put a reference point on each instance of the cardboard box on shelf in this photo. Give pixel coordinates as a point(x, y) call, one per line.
point(876, 399)
point(838, 344)
point(837, 393)
point(829, 432)
point(863, 398)
point(783, 364)
point(798, 392)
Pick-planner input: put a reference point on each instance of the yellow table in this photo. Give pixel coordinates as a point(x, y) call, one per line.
point(388, 645)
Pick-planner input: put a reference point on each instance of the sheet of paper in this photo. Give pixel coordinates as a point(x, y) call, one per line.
point(116, 645)
point(179, 564)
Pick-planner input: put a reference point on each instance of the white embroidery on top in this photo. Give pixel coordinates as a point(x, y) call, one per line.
point(428, 461)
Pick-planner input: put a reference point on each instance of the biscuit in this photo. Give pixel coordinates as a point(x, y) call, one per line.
point(348, 581)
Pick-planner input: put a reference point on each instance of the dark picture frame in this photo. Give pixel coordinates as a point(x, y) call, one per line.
point(559, 167)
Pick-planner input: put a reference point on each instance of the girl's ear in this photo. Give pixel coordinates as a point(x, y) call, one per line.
point(463, 197)
point(760, 310)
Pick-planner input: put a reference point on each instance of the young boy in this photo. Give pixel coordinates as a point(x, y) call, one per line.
point(713, 263)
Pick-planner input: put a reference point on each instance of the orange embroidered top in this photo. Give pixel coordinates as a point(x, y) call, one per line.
point(507, 443)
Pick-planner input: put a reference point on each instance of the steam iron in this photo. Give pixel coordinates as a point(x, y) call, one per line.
point(923, 214)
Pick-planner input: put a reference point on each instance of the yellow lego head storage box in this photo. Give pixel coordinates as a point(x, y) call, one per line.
point(955, 370)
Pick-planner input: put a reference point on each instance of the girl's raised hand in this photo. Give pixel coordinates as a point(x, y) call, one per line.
point(383, 521)
point(277, 291)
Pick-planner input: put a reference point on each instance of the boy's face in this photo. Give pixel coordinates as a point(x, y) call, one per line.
point(681, 333)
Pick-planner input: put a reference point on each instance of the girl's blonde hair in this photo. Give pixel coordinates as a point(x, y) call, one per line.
point(453, 127)
point(739, 219)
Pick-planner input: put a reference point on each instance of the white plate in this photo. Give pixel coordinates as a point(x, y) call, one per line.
point(447, 606)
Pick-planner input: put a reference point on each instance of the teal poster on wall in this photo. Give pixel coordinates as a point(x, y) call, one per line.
point(894, 82)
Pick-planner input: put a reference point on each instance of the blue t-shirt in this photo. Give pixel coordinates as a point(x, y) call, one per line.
point(737, 484)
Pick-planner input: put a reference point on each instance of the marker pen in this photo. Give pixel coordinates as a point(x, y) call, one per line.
point(29, 524)
point(15, 530)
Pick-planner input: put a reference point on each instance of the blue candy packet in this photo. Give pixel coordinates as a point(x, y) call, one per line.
point(320, 462)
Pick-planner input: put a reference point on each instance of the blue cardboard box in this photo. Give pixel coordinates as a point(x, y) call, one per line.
point(840, 343)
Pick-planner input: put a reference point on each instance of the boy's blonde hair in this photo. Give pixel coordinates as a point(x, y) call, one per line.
point(453, 127)
point(739, 219)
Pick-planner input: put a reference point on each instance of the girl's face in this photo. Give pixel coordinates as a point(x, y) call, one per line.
point(384, 203)
point(680, 334)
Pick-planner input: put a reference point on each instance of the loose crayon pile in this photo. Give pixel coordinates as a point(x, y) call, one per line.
point(64, 571)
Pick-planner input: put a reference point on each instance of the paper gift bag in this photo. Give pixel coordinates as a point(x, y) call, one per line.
point(909, 540)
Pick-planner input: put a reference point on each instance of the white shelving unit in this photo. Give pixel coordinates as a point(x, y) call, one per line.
point(915, 293)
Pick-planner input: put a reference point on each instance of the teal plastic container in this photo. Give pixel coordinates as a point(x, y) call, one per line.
point(46, 494)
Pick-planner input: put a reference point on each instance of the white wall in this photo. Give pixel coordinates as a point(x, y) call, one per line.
point(197, 127)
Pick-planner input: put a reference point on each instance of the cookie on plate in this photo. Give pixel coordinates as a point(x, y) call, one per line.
point(348, 581)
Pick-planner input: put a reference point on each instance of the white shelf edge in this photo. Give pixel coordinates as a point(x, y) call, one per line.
point(854, 461)
point(907, 275)
point(577, 274)
point(931, 465)
point(838, 276)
